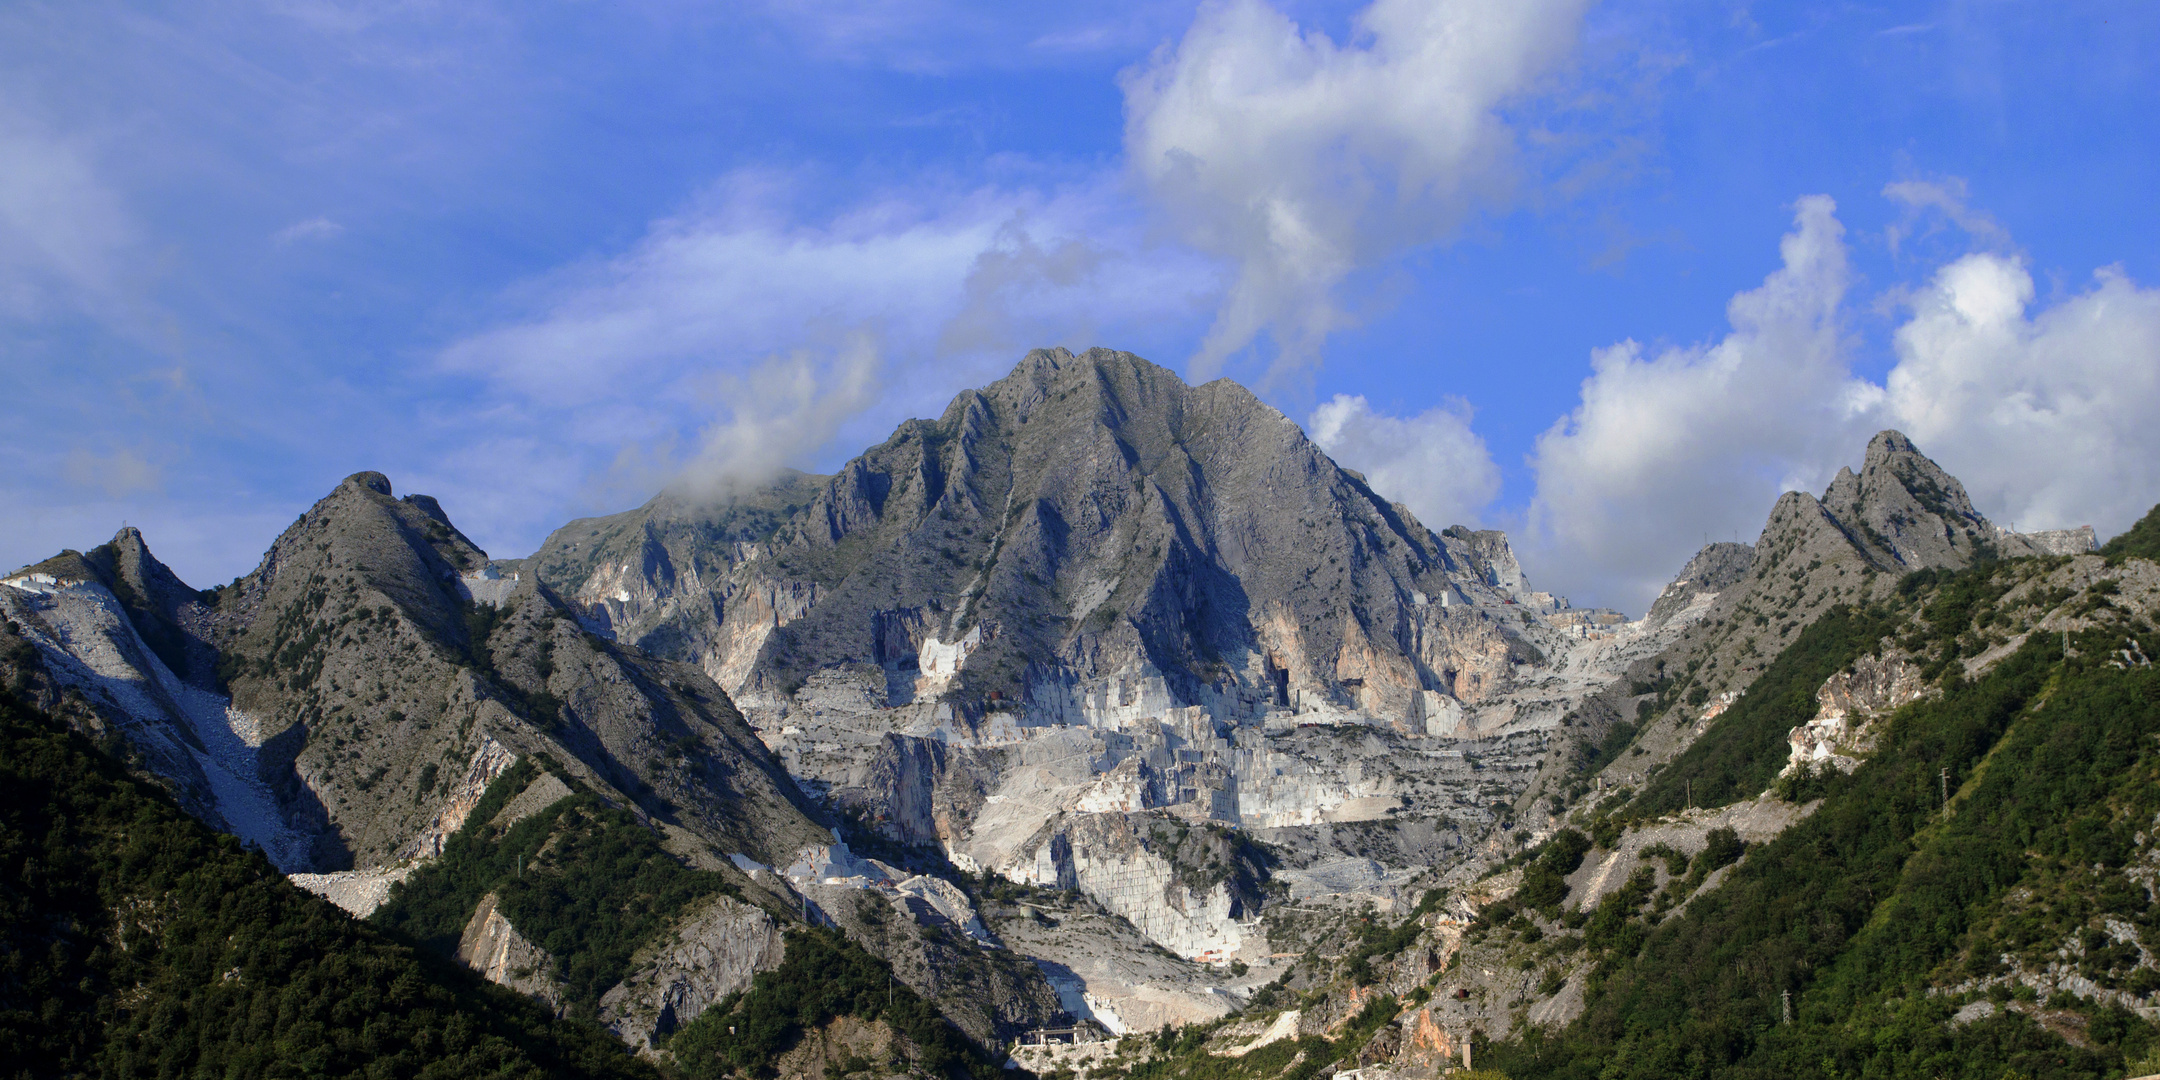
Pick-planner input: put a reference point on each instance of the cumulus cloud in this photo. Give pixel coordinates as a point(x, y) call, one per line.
point(2043, 414)
point(1299, 160)
point(1432, 462)
point(2046, 415)
point(1669, 449)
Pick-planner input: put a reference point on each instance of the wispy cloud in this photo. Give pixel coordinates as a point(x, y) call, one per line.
point(316, 228)
point(1301, 160)
point(1946, 197)
point(64, 228)
point(118, 473)
point(741, 335)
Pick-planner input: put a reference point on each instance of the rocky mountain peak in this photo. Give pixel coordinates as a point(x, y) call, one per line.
point(1083, 515)
point(368, 481)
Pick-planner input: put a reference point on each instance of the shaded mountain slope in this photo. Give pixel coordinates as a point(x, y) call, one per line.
point(380, 674)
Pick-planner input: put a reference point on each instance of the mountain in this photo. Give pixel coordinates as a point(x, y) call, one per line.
point(1735, 608)
point(1103, 701)
point(349, 700)
point(1087, 610)
point(1085, 523)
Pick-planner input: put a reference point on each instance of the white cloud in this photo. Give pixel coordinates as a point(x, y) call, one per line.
point(1668, 450)
point(2045, 415)
point(1432, 462)
point(732, 279)
point(1300, 160)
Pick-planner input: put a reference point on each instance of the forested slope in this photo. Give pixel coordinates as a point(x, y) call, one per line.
point(1886, 912)
point(134, 941)
point(1972, 895)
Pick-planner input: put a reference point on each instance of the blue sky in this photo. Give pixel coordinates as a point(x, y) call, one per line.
point(1608, 275)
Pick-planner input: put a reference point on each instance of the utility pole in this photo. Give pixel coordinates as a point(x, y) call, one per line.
point(1787, 1012)
point(1689, 785)
point(1946, 791)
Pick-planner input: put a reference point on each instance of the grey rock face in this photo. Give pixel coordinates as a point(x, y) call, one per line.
point(714, 953)
point(1082, 516)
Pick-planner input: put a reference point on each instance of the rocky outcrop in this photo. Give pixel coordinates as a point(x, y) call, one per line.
point(714, 953)
point(493, 948)
point(1188, 890)
point(1847, 703)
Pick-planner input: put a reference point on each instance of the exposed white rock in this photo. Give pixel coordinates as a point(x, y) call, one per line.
point(359, 892)
point(1102, 856)
point(1285, 1026)
point(488, 585)
point(1846, 704)
point(86, 641)
point(1354, 880)
point(834, 864)
point(489, 760)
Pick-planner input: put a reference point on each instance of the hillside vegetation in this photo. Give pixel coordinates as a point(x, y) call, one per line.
point(1885, 912)
point(134, 941)
point(2009, 929)
point(586, 881)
